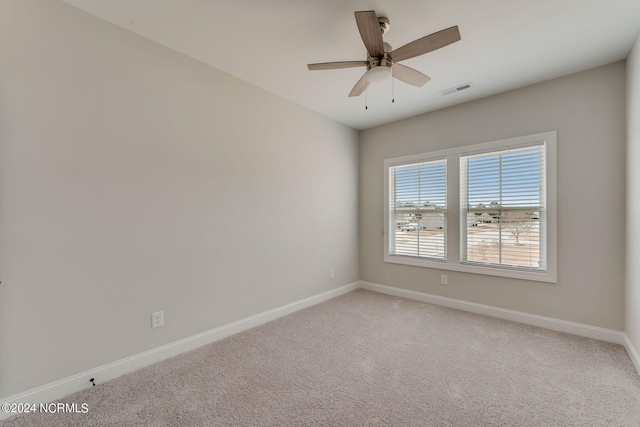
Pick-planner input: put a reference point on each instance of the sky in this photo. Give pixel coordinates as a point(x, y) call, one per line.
point(511, 178)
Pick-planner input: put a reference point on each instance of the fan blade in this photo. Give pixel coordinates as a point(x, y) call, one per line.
point(409, 75)
point(370, 32)
point(426, 44)
point(336, 65)
point(360, 87)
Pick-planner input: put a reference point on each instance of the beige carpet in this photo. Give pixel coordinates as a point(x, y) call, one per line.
point(367, 359)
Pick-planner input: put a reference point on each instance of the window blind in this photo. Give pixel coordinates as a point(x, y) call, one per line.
point(418, 210)
point(503, 204)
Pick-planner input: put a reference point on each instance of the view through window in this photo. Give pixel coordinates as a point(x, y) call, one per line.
point(418, 209)
point(503, 203)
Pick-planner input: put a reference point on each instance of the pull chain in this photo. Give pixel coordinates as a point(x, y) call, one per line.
point(393, 92)
point(366, 98)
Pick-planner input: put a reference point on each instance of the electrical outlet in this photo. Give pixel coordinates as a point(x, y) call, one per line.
point(332, 274)
point(157, 319)
point(443, 279)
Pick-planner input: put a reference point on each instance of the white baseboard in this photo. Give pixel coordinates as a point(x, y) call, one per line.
point(595, 332)
point(66, 386)
point(633, 353)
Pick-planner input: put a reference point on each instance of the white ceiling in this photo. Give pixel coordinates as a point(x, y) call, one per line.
point(505, 44)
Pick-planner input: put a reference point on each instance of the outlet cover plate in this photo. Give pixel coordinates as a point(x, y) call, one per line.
point(157, 319)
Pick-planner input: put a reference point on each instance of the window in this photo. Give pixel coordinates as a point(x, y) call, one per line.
point(502, 194)
point(418, 210)
point(503, 208)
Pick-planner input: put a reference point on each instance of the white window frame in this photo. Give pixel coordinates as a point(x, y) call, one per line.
point(390, 245)
point(455, 222)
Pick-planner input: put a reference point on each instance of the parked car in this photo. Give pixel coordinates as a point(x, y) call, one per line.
point(408, 227)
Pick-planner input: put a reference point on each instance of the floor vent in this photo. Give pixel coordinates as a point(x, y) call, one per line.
point(456, 89)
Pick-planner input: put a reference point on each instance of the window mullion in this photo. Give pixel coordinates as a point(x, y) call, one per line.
point(452, 214)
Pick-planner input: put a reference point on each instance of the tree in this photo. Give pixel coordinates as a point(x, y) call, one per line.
point(480, 206)
point(516, 223)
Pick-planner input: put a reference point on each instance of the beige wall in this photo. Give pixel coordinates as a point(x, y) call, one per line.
point(588, 112)
point(632, 290)
point(134, 179)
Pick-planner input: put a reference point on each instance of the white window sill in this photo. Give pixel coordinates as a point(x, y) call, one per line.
point(538, 276)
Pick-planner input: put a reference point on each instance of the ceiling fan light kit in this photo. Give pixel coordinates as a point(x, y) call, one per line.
point(378, 74)
point(382, 60)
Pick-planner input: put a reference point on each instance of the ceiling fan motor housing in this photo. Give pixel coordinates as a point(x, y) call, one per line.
point(379, 68)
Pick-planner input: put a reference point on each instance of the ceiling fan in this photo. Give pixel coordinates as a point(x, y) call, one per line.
point(382, 61)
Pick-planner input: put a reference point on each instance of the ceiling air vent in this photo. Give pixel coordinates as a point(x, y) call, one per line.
point(456, 89)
